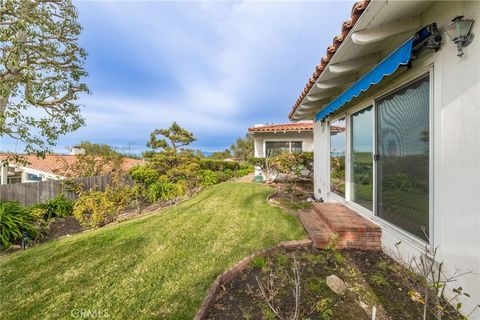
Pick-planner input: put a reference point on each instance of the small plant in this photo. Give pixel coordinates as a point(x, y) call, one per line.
point(332, 243)
point(268, 291)
point(59, 206)
point(339, 258)
point(429, 291)
point(14, 221)
point(162, 190)
point(379, 280)
point(259, 262)
point(317, 285)
point(208, 178)
point(324, 307)
point(281, 260)
point(95, 208)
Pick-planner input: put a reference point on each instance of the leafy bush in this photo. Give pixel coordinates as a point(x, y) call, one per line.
point(144, 175)
point(208, 178)
point(224, 175)
point(242, 172)
point(14, 221)
point(219, 165)
point(59, 206)
point(95, 208)
point(162, 190)
point(246, 166)
point(337, 167)
point(287, 163)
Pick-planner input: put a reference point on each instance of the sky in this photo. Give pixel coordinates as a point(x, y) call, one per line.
point(215, 67)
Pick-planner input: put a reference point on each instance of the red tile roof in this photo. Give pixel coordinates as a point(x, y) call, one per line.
point(357, 11)
point(55, 163)
point(298, 126)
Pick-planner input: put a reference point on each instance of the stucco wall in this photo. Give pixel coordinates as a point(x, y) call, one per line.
point(456, 154)
point(260, 138)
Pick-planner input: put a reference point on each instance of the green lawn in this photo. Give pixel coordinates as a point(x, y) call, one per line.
point(159, 266)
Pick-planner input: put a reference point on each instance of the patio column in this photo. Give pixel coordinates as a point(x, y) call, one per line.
point(3, 174)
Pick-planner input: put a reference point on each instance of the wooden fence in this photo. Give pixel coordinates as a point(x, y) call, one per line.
point(33, 192)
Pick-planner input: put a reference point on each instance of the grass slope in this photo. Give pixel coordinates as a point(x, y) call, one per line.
point(159, 266)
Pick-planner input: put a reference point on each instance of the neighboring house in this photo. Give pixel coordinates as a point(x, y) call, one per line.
point(276, 138)
point(43, 169)
point(408, 157)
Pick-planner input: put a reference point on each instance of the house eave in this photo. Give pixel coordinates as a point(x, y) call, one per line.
point(371, 37)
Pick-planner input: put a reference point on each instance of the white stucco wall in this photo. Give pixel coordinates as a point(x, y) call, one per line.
point(455, 155)
point(260, 138)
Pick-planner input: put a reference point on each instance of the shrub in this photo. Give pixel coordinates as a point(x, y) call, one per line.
point(242, 172)
point(95, 208)
point(224, 175)
point(14, 221)
point(59, 206)
point(294, 164)
point(246, 166)
point(144, 175)
point(219, 165)
point(208, 178)
point(162, 190)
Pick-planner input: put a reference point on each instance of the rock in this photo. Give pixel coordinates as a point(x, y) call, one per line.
point(336, 284)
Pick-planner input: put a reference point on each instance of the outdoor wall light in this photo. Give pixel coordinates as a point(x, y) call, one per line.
point(459, 32)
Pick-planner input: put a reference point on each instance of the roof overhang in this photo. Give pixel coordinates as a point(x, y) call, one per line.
point(382, 28)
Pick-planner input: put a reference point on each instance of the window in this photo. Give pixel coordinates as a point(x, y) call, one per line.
point(296, 146)
point(14, 179)
point(33, 177)
point(403, 158)
point(276, 147)
point(337, 156)
point(362, 158)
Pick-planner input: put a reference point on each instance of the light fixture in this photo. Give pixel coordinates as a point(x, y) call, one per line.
point(459, 32)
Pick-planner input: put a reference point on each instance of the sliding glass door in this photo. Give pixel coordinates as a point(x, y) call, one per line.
point(402, 181)
point(362, 158)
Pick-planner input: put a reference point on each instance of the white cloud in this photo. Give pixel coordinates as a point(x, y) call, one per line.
point(226, 59)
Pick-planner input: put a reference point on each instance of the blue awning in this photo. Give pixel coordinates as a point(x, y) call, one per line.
point(388, 66)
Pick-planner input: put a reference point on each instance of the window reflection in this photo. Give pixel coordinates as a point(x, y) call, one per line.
point(337, 156)
point(362, 158)
point(403, 168)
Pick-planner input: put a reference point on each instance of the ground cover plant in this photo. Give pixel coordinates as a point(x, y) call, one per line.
point(157, 266)
point(268, 289)
point(15, 220)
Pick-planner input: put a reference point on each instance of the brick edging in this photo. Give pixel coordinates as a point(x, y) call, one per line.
point(241, 266)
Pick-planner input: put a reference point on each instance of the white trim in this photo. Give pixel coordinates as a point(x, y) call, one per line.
point(42, 174)
point(350, 113)
point(282, 140)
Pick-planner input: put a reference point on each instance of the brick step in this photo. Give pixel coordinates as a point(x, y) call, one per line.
point(329, 219)
point(342, 219)
point(319, 231)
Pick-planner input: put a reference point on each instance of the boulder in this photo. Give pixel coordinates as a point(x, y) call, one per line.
point(336, 284)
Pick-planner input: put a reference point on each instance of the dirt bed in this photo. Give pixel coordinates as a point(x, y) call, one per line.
point(372, 279)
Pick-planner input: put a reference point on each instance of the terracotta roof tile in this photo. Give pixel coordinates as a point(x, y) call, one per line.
point(357, 10)
point(55, 163)
point(298, 126)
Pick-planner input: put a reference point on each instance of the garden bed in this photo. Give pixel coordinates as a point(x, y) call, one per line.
point(372, 280)
point(292, 196)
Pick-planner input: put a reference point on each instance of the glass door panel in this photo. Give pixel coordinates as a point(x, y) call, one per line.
point(337, 156)
point(362, 158)
point(403, 158)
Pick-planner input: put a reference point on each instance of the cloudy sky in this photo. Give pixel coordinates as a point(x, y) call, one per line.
point(215, 67)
